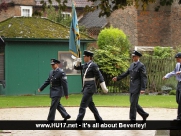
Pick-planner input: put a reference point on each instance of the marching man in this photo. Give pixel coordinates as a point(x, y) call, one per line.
point(177, 73)
point(91, 72)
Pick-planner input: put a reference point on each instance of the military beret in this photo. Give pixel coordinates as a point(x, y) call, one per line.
point(178, 55)
point(54, 61)
point(136, 53)
point(88, 53)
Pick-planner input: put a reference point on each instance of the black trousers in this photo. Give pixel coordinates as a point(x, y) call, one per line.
point(178, 99)
point(135, 107)
point(55, 104)
point(87, 102)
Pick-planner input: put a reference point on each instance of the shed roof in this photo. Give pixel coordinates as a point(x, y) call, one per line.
point(92, 19)
point(33, 27)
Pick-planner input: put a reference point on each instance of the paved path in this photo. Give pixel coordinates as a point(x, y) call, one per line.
point(107, 113)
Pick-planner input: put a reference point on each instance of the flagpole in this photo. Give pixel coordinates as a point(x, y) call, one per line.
point(81, 69)
point(74, 40)
point(80, 57)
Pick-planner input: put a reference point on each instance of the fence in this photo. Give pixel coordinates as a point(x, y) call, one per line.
point(156, 69)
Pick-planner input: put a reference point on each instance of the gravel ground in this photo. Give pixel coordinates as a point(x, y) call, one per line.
point(107, 113)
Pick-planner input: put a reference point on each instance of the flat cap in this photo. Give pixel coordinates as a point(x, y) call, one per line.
point(136, 53)
point(54, 61)
point(88, 53)
point(178, 55)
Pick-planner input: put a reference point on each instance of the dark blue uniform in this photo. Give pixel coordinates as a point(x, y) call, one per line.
point(138, 80)
point(58, 88)
point(88, 90)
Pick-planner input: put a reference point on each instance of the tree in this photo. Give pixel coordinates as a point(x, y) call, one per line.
point(57, 16)
point(3, 6)
point(108, 6)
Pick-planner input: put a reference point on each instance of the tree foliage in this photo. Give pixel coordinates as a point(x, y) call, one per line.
point(56, 15)
point(112, 36)
point(113, 53)
point(161, 52)
point(3, 6)
point(108, 6)
point(177, 49)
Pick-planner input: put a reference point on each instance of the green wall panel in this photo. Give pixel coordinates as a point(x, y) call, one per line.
point(27, 66)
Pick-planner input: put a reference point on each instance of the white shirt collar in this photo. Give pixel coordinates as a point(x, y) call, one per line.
point(136, 62)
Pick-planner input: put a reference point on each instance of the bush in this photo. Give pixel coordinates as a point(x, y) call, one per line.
point(160, 52)
point(112, 36)
point(172, 92)
point(113, 89)
point(113, 53)
point(166, 89)
point(160, 93)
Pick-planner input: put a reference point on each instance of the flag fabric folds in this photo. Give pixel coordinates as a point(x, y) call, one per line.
point(74, 39)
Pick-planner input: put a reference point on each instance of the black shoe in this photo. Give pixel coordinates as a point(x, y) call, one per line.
point(132, 121)
point(100, 121)
point(67, 117)
point(145, 117)
point(50, 121)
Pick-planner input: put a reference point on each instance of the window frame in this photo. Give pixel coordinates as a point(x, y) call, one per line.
point(30, 8)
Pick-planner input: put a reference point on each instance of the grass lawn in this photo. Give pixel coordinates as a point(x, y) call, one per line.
point(112, 100)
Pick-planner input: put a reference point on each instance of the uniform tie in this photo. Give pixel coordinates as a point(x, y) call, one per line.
point(54, 72)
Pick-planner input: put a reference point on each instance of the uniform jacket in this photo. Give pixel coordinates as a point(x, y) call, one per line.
point(173, 73)
point(58, 83)
point(138, 78)
point(178, 78)
point(93, 71)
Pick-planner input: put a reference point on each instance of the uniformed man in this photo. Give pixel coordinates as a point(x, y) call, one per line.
point(177, 73)
point(138, 80)
point(58, 88)
point(91, 73)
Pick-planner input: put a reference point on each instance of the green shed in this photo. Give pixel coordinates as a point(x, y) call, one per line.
point(30, 44)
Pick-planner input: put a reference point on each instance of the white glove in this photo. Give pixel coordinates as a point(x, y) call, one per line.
point(78, 61)
point(104, 88)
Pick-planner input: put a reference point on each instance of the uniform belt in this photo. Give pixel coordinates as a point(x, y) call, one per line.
point(54, 85)
point(88, 79)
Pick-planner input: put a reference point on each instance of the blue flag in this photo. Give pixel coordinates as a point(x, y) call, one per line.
point(74, 39)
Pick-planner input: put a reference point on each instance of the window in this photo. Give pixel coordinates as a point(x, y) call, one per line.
point(66, 15)
point(26, 11)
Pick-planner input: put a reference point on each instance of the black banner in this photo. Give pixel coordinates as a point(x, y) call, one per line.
point(89, 125)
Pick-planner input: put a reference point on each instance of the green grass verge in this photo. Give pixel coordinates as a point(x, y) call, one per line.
point(160, 101)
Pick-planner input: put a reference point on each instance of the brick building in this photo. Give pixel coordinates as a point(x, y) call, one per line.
point(27, 7)
point(149, 28)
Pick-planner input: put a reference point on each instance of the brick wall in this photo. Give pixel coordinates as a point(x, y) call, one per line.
point(7, 14)
point(126, 20)
point(150, 28)
point(154, 28)
point(15, 10)
point(176, 25)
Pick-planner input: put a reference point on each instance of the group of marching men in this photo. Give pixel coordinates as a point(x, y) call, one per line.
point(59, 87)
